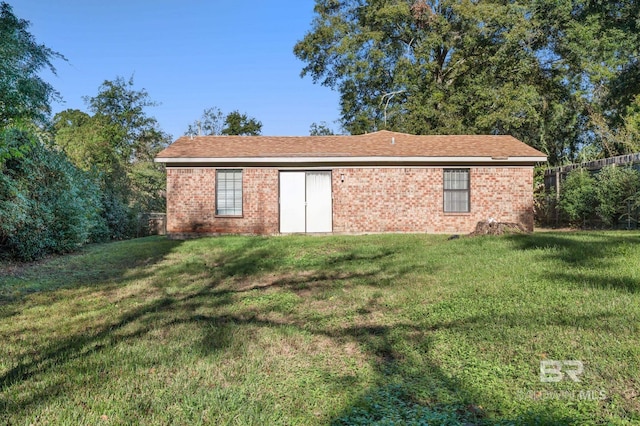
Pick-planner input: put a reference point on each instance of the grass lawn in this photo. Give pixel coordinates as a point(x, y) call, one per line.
point(382, 329)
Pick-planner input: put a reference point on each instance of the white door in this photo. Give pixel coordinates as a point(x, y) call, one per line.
point(292, 202)
point(305, 202)
point(319, 202)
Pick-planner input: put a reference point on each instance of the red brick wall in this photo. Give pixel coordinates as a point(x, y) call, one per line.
point(411, 199)
point(369, 200)
point(191, 195)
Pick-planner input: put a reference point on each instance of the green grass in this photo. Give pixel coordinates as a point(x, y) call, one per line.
point(386, 329)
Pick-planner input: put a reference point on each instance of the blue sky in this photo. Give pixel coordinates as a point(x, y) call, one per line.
point(189, 55)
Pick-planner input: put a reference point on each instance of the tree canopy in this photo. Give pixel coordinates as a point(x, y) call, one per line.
point(237, 123)
point(210, 123)
point(24, 95)
point(320, 129)
point(118, 143)
point(214, 122)
point(542, 70)
point(47, 205)
point(133, 133)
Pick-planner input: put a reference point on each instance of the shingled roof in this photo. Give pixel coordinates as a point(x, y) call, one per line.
point(381, 146)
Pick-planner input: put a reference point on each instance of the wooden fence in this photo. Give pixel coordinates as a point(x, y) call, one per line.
point(553, 176)
point(152, 224)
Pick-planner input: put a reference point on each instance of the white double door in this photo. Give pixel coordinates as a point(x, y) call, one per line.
point(305, 202)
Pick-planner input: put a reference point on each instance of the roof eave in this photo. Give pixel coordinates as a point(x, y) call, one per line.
point(249, 161)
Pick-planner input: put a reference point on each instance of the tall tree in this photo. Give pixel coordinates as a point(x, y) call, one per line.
point(46, 203)
point(211, 123)
point(604, 41)
point(25, 98)
point(236, 123)
point(214, 122)
point(448, 66)
point(320, 129)
point(24, 95)
point(83, 139)
point(133, 133)
point(118, 142)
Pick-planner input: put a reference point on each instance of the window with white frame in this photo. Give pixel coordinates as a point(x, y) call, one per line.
point(229, 192)
point(456, 191)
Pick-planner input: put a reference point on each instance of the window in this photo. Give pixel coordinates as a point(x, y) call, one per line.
point(456, 190)
point(229, 192)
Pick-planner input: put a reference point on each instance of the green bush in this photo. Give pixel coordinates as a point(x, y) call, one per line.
point(119, 218)
point(578, 196)
point(607, 196)
point(615, 186)
point(47, 205)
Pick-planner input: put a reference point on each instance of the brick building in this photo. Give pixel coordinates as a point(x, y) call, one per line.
point(377, 182)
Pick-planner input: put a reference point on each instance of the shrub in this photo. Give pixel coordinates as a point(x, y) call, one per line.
point(119, 218)
point(614, 187)
point(578, 196)
point(47, 205)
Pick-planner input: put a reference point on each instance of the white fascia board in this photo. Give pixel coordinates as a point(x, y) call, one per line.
point(329, 160)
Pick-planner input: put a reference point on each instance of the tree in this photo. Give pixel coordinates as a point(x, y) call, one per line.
point(536, 69)
point(214, 122)
point(236, 123)
point(24, 96)
point(134, 135)
point(82, 138)
point(46, 204)
point(118, 143)
point(321, 129)
point(598, 45)
point(211, 123)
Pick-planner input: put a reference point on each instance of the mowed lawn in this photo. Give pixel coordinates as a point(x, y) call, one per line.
point(379, 329)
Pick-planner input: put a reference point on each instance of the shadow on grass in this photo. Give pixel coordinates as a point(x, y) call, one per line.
point(406, 391)
point(70, 348)
point(423, 394)
point(94, 266)
point(139, 261)
point(585, 256)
